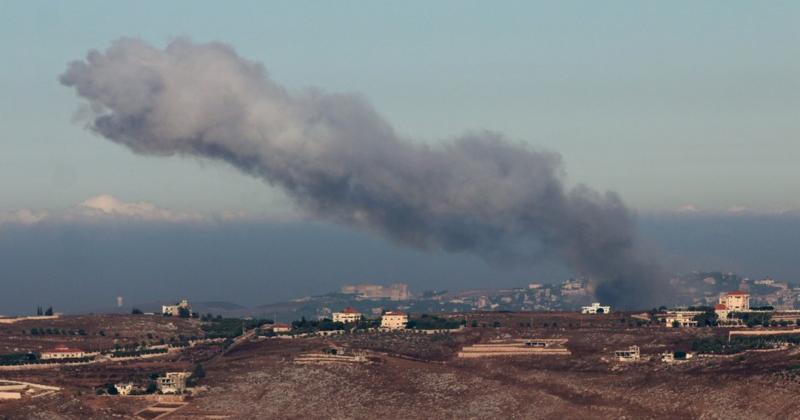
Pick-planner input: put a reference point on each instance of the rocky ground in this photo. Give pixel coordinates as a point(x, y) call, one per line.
point(417, 377)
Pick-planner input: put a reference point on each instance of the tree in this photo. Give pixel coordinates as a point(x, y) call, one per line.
point(151, 388)
point(39, 311)
point(49, 311)
point(111, 389)
point(137, 311)
point(197, 374)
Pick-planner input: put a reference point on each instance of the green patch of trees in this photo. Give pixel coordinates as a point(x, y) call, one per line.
point(708, 318)
point(717, 345)
point(135, 353)
point(309, 326)
point(432, 322)
point(751, 319)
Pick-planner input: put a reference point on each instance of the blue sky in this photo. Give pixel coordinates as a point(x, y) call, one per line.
point(667, 103)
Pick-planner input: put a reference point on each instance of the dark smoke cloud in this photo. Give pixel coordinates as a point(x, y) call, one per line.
point(340, 161)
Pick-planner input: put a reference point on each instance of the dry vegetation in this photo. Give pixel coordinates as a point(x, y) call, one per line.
point(416, 376)
point(93, 332)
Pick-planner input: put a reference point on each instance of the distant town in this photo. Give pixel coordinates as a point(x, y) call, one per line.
point(695, 289)
point(147, 364)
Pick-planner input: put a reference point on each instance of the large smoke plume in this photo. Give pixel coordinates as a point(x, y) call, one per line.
point(340, 161)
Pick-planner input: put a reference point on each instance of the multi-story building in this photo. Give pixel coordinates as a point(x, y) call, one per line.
point(394, 320)
point(681, 318)
point(736, 301)
point(347, 316)
point(173, 382)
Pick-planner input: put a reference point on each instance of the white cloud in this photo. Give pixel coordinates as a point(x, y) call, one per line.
point(23, 217)
point(106, 207)
point(688, 208)
point(109, 206)
point(738, 209)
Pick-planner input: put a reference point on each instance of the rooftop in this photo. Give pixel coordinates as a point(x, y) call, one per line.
point(737, 293)
point(63, 349)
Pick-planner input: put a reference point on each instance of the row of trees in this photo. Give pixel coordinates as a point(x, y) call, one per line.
point(718, 345)
point(47, 312)
point(56, 331)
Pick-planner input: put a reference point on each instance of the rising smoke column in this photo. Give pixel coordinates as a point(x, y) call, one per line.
point(340, 161)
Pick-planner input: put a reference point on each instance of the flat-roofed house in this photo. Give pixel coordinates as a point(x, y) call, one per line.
point(62, 352)
point(347, 316)
point(394, 320)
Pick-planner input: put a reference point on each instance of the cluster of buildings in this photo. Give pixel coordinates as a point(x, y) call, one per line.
point(169, 383)
point(704, 288)
point(727, 303)
point(391, 320)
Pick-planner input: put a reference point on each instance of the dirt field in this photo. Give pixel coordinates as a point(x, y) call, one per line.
point(418, 377)
point(93, 332)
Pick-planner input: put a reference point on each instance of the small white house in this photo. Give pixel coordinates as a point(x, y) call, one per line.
point(124, 389)
point(281, 328)
point(672, 357)
point(394, 320)
point(596, 308)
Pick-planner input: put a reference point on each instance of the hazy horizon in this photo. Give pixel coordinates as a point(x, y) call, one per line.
point(80, 267)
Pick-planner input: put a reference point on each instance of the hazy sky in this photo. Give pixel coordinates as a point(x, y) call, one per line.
point(675, 105)
point(668, 103)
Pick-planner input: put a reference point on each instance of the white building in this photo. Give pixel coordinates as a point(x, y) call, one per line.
point(62, 352)
point(124, 389)
point(736, 301)
point(347, 316)
point(175, 310)
point(394, 320)
point(681, 318)
point(173, 382)
point(281, 328)
point(595, 308)
point(630, 355)
point(672, 357)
